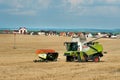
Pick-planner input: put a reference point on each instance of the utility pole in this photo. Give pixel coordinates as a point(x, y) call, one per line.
point(14, 44)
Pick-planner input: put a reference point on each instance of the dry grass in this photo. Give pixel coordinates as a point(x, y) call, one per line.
point(16, 64)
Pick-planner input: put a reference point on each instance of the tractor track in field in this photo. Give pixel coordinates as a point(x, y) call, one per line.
point(15, 63)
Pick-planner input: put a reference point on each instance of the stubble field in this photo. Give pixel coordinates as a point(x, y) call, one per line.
point(17, 64)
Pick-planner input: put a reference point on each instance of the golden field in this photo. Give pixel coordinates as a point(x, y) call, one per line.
point(17, 64)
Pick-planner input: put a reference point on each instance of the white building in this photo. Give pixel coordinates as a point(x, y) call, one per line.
point(22, 30)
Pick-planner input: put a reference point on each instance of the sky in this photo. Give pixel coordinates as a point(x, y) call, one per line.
point(60, 14)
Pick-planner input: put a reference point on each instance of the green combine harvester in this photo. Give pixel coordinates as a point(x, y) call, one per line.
point(83, 51)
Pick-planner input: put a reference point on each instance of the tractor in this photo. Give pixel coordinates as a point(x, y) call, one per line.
point(83, 51)
point(46, 55)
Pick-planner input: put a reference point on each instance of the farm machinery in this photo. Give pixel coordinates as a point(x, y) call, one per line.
point(46, 55)
point(83, 51)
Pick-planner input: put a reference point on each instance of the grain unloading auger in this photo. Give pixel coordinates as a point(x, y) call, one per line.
point(77, 51)
point(46, 55)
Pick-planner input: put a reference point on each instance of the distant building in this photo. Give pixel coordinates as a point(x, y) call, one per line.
point(41, 33)
point(16, 31)
point(89, 35)
point(71, 34)
point(6, 32)
point(22, 30)
point(62, 34)
point(80, 34)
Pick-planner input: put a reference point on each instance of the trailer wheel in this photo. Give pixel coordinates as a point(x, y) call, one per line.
point(52, 56)
point(35, 61)
point(96, 59)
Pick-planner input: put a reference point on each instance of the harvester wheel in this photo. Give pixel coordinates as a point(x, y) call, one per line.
point(85, 58)
point(79, 58)
point(69, 58)
point(96, 59)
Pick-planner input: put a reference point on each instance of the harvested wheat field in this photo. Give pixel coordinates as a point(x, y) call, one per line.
point(17, 64)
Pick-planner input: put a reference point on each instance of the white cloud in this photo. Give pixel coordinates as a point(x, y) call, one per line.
point(25, 7)
point(110, 11)
point(92, 7)
point(21, 12)
point(111, 1)
point(75, 7)
point(75, 3)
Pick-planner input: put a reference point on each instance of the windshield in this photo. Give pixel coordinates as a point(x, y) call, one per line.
point(71, 46)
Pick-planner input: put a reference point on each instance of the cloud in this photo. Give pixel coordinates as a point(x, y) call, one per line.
point(20, 12)
point(73, 7)
point(111, 11)
point(76, 3)
point(25, 7)
point(111, 1)
point(92, 7)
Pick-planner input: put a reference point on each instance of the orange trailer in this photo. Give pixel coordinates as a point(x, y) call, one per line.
point(46, 55)
point(41, 51)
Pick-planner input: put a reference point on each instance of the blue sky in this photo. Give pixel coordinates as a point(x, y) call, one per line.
point(60, 13)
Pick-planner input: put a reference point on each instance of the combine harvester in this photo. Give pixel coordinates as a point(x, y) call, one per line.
point(46, 55)
point(82, 51)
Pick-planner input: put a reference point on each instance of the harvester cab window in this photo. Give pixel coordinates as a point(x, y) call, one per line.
point(72, 46)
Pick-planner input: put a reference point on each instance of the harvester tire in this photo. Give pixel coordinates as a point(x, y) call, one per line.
point(96, 59)
point(85, 57)
point(69, 58)
point(79, 59)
